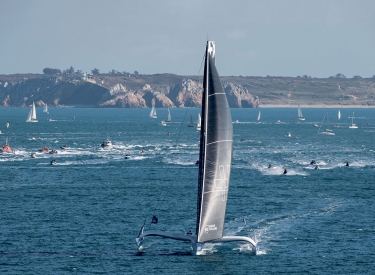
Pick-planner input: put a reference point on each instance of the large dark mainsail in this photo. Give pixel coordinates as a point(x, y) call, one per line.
point(215, 158)
point(216, 142)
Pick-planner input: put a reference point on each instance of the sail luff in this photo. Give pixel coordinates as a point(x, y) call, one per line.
point(202, 144)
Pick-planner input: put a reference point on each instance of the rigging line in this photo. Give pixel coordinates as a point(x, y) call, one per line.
point(180, 131)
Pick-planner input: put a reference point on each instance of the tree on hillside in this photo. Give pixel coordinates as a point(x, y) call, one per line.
point(69, 71)
point(339, 75)
point(51, 71)
point(357, 77)
point(136, 73)
point(95, 71)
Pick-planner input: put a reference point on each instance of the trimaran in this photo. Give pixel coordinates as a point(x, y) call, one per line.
point(215, 158)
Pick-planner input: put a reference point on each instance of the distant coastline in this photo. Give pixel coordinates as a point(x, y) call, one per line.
point(174, 91)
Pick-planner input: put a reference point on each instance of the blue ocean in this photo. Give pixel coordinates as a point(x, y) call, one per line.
point(82, 215)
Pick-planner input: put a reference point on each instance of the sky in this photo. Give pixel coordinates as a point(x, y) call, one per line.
point(318, 38)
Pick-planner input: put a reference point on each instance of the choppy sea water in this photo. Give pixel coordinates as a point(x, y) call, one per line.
point(82, 215)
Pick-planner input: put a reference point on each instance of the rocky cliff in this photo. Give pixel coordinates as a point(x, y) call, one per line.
point(168, 90)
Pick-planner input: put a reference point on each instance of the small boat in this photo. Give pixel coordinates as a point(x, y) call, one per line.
point(53, 162)
point(315, 125)
point(64, 147)
point(153, 112)
point(106, 144)
point(169, 116)
point(53, 151)
point(300, 116)
point(325, 122)
point(199, 122)
point(163, 123)
point(6, 148)
point(32, 114)
point(215, 159)
point(33, 138)
point(353, 126)
point(191, 123)
point(127, 156)
point(44, 150)
point(45, 110)
point(33, 155)
point(288, 134)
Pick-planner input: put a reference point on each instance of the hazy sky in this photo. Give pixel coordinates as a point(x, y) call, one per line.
point(253, 38)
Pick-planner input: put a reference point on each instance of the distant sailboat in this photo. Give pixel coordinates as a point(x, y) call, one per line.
point(300, 116)
point(45, 110)
point(326, 124)
point(32, 115)
point(6, 148)
point(191, 123)
point(199, 122)
point(258, 119)
point(169, 116)
point(153, 112)
point(214, 165)
point(338, 115)
point(353, 126)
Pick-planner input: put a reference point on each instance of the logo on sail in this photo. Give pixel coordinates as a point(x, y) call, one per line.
point(221, 184)
point(210, 227)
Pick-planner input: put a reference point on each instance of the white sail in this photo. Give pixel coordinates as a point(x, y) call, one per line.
point(338, 115)
point(325, 123)
point(153, 112)
point(258, 116)
point(45, 110)
point(353, 126)
point(169, 116)
point(199, 122)
point(300, 116)
point(32, 114)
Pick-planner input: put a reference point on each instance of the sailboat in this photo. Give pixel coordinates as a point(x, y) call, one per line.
point(153, 112)
point(300, 116)
point(191, 123)
point(326, 123)
point(32, 115)
point(6, 148)
point(199, 122)
point(338, 115)
point(215, 158)
point(45, 110)
point(353, 126)
point(258, 119)
point(169, 116)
